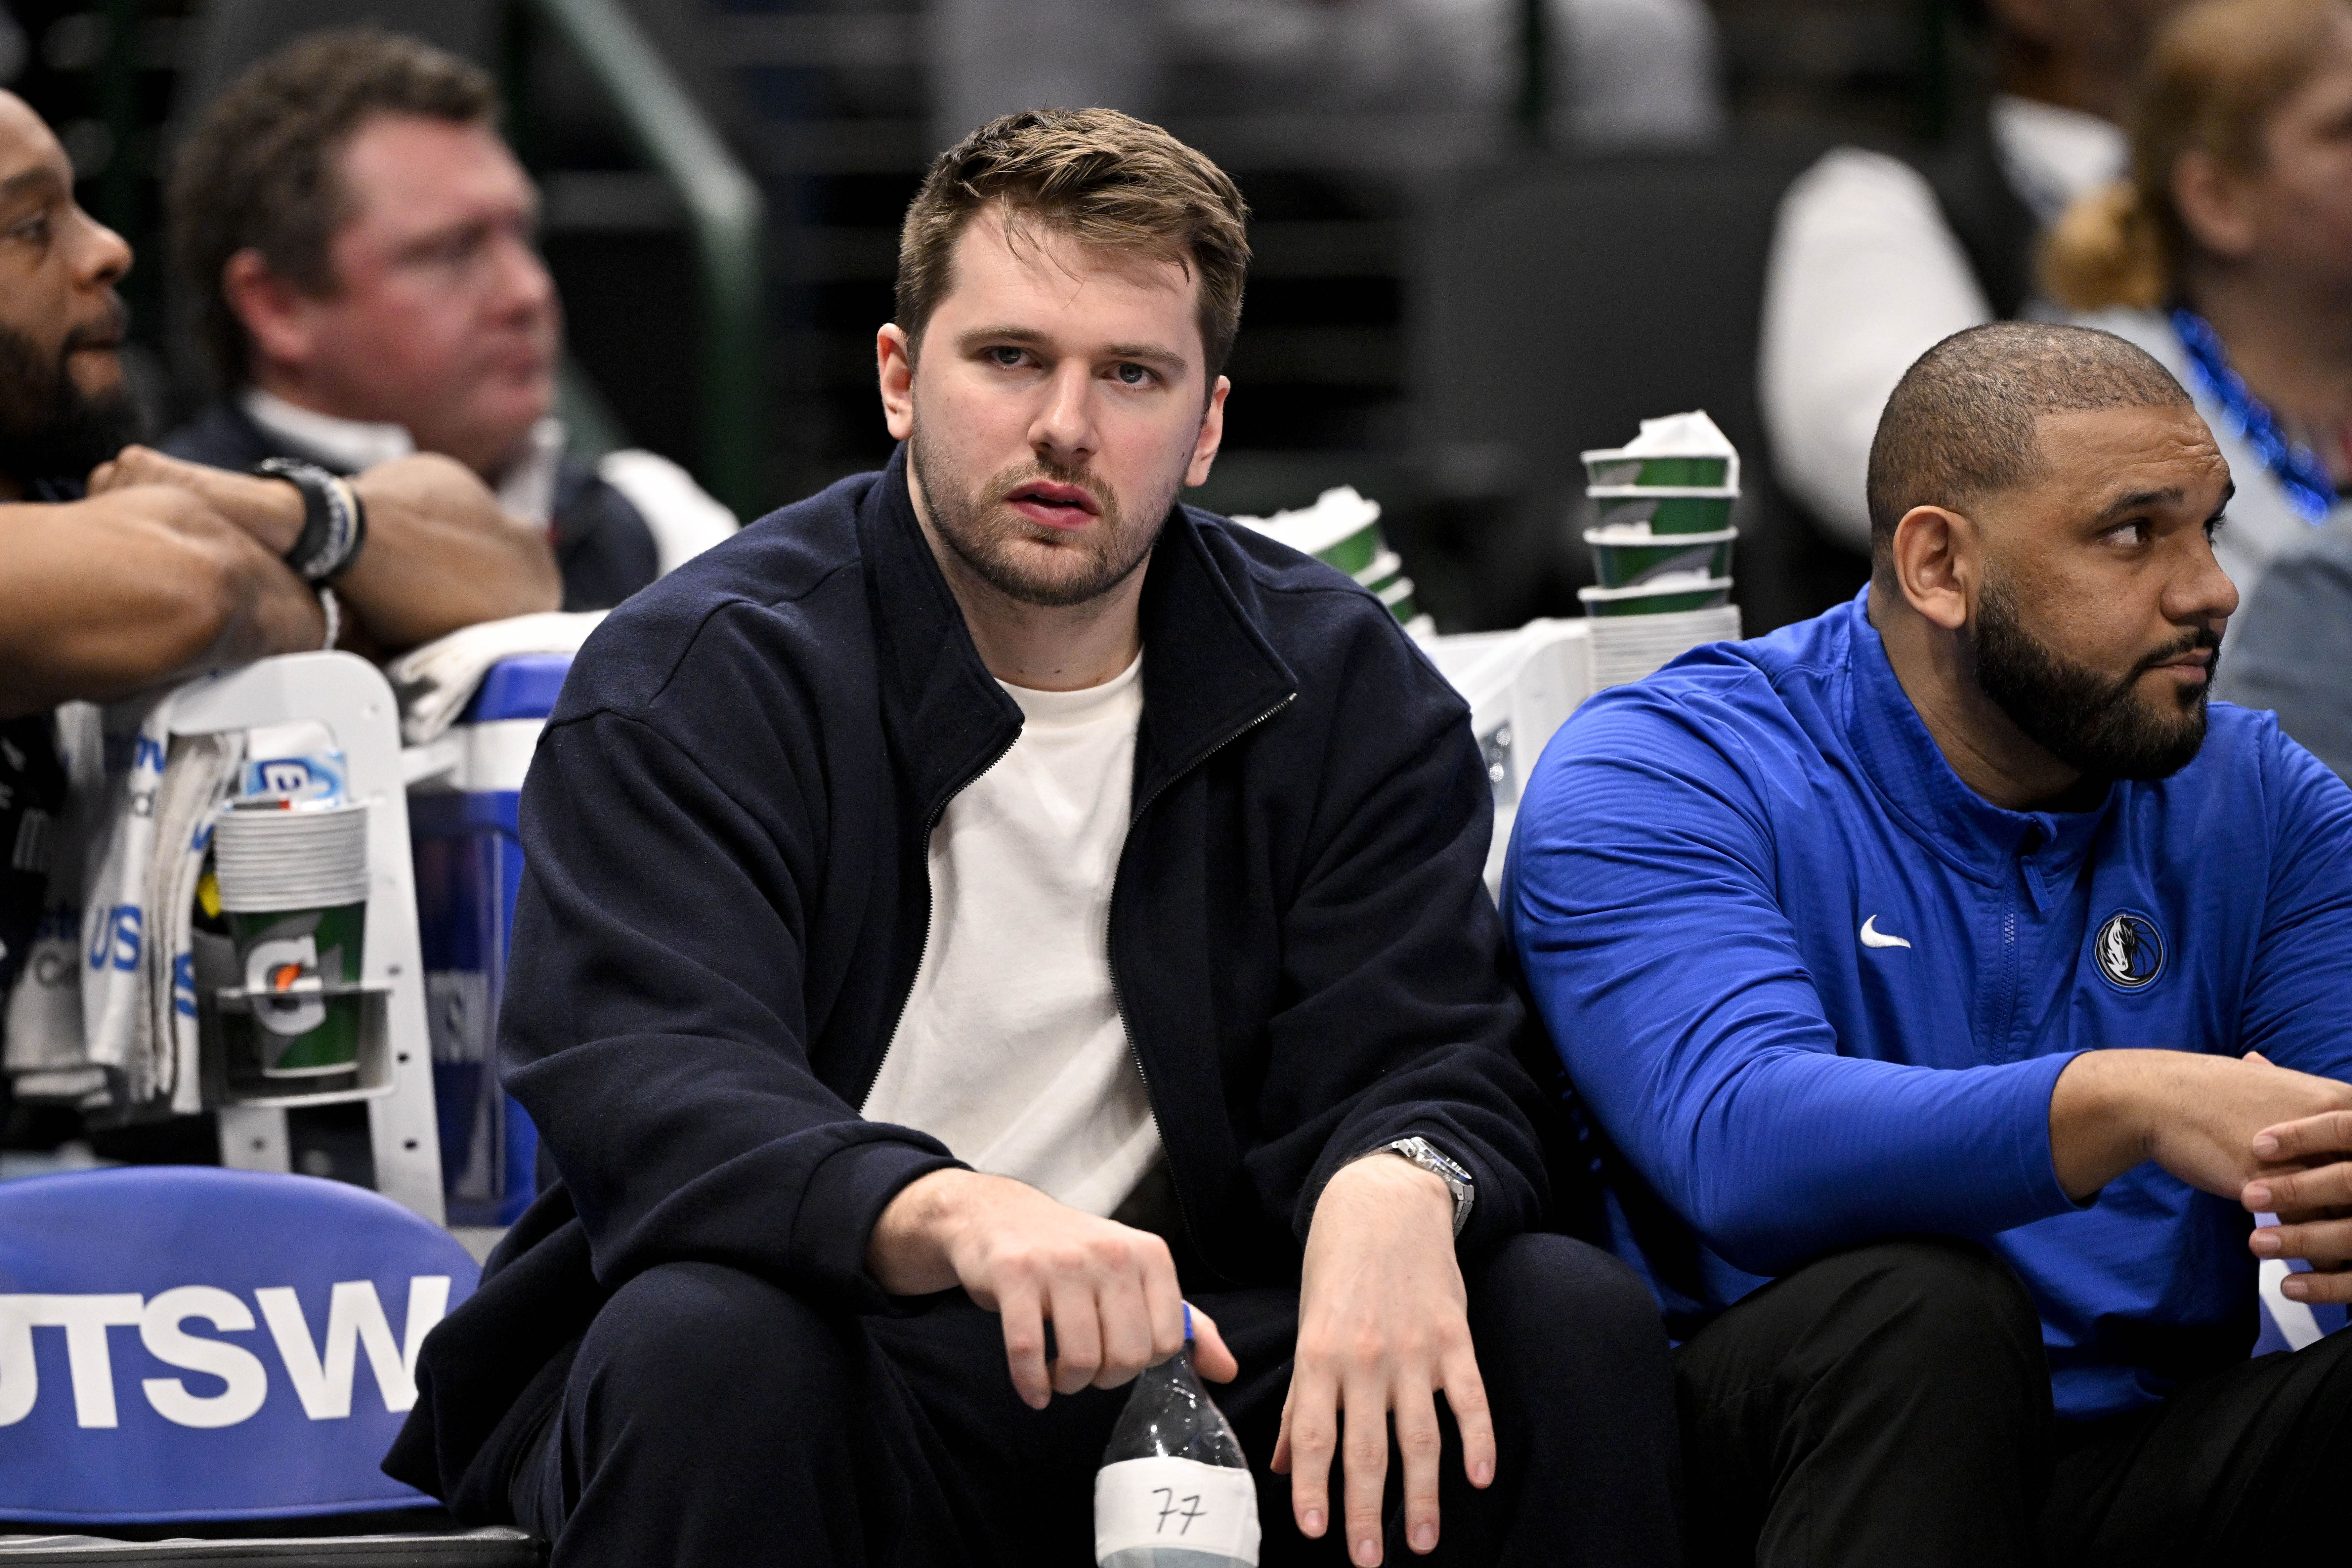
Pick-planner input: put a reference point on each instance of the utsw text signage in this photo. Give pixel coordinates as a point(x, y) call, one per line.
point(211, 1334)
point(199, 1344)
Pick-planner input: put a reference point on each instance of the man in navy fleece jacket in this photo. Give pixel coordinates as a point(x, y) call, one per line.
point(981, 908)
point(1907, 963)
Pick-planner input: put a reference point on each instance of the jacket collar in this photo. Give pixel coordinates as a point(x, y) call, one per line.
point(1981, 839)
point(1212, 673)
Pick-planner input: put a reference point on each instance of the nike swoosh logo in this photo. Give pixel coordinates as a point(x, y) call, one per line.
point(1873, 937)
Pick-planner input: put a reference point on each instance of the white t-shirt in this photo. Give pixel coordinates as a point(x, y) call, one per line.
point(1011, 1050)
point(1865, 276)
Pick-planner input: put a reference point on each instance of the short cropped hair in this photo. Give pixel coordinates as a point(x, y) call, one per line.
point(1961, 424)
point(258, 172)
point(1105, 180)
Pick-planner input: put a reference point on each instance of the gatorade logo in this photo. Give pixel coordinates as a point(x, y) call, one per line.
point(232, 1381)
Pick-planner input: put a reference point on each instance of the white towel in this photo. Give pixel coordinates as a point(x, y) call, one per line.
point(105, 1013)
point(435, 682)
point(200, 776)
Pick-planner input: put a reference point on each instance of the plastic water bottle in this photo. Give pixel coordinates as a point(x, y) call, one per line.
point(1174, 1490)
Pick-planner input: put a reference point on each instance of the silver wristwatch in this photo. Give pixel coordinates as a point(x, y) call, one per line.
point(1422, 1152)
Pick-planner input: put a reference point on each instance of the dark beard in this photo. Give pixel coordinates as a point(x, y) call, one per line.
point(49, 427)
point(2098, 726)
point(982, 535)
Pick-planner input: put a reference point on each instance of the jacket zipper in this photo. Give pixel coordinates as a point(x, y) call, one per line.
point(923, 948)
point(1110, 962)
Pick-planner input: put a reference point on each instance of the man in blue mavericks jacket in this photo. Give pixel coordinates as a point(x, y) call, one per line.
point(1911, 966)
point(974, 910)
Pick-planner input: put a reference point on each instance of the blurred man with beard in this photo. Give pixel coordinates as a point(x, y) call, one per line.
point(121, 570)
point(983, 905)
point(1949, 985)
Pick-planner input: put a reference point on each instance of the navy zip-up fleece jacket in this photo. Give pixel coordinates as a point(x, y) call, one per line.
point(726, 898)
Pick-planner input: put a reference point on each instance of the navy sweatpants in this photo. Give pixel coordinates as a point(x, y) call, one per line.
point(712, 1420)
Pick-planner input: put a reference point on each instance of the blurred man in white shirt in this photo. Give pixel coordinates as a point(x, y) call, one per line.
point(1876, 260)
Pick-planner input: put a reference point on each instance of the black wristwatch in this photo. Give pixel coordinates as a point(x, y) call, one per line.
point(335, 523)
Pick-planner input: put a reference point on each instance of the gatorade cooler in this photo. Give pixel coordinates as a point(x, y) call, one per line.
point(461, 823)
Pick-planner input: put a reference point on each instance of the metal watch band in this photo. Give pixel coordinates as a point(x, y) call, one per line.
point(335, 523)
point(1455, 1176)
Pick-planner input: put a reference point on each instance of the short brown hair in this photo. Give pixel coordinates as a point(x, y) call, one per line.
point(2215, 75)
point(1103, 179)
point(1961, 424)
point(257, 172)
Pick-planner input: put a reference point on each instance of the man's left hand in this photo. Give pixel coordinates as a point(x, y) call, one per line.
point(2307, 1183)
point(269, 510)
point(1383, 1325)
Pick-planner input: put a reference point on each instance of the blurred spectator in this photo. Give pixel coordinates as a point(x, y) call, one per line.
point(1876, 260)
point(1629, 73)
point(1619, 72)
point(360, 246)
point(163, 570)
point(2228, 256)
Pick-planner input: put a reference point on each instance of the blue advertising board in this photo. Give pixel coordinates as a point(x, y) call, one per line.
point(187, 1343)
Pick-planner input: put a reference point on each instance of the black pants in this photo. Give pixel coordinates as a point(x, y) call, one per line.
point(712, 1419)
point(1891, 1404)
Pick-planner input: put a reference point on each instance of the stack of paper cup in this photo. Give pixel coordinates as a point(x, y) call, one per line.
point(1342, 529)
point(1627, 648)
point(294, 885)
point(269, 858)
point(1664, 535)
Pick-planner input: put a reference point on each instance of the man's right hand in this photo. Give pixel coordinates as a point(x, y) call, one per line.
point(133, 589)
point(1109, 1290)
point(2195, 1115)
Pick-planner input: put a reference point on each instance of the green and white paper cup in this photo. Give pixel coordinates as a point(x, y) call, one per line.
point(1657, 598)
point(294, 885)
point(1629, 557)
point(1397, 595)
point(1354, 552)
point(288, 961)
point(1603, 470)
point(1382, 570)
point(1690, 508)
point(1676, 451)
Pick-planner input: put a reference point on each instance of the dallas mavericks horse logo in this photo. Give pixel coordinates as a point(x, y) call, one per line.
point(2129, 949)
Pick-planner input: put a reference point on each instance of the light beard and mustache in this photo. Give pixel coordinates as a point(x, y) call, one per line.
point(2098, 724)
point(988, 536)
point(49, 427)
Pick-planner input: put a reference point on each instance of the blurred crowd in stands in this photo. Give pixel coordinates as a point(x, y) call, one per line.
point(1626, 73)
point(2182, 177)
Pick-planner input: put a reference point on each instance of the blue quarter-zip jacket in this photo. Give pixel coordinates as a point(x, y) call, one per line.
point(1813, 991)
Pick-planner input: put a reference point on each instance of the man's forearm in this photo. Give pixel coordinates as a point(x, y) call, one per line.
point(106, 597)
point(2194, 1113)
point(908, 1253)
point(441, 556)
point(2099, 1118)
point(438, 555)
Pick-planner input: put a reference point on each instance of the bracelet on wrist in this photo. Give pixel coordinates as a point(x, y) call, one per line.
point(335, 523)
